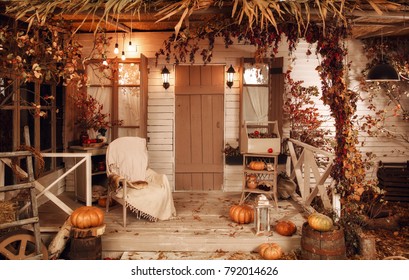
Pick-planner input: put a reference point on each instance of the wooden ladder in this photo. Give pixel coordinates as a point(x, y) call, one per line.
point(33, 220)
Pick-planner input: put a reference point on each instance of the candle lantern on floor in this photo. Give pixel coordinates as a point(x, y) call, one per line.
point(262, 216)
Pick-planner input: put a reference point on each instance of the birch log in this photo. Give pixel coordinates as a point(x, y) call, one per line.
point(60, 240)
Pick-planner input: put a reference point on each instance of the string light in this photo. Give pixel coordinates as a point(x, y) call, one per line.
point(123, 49)
point(130, 38)
point(104, 56)
point(116, 50)
point(104, 62)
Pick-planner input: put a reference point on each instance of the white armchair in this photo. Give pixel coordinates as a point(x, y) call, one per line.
point(137, 187)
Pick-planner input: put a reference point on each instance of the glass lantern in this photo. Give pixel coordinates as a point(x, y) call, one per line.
point(262, 216)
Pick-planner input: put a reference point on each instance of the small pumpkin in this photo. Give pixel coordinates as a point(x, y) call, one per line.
point(270, 251)
point(252, 182)
point(87, 216)
point(241, 214)
point(257, 165)
point(102, 201)
point(320, 222)
point(286, 228)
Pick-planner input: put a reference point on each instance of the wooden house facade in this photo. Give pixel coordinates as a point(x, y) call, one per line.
point(167, 118)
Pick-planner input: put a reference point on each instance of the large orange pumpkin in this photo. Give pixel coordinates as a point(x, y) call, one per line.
point(87, 216)
point(286, 228)
point(242, 214)
point(270, 251)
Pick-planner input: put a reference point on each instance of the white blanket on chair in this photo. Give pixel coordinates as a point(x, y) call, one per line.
point(130, 161)
point(155, 202)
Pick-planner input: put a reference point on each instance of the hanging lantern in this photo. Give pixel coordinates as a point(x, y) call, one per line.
point(262, 216)
point(383, 72)
point(165, 77)
point(230, 76)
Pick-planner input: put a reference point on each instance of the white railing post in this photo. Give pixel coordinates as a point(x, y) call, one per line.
point(88, 192)
point(336, 205)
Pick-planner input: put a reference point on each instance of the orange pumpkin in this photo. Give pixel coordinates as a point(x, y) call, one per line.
point(270, 251)
point(241, 214)
point(252, 182)
point(257, 165)
point(87, 216)
point(286, 228)
point(102, 201)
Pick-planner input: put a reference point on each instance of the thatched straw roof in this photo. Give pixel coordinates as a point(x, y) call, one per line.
point(366, 17)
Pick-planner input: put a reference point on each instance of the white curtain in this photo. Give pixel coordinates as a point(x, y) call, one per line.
point(129, 110)
point(255, 103)
point(128, 105)
point(103, 96)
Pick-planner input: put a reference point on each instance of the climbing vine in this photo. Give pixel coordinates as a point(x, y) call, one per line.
point(348, 171)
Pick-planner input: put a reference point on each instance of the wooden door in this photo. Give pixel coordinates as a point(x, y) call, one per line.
point(199, 127)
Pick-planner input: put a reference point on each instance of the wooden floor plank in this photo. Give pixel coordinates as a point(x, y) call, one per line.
point(202, 225)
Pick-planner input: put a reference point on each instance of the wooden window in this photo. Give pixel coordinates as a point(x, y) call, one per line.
point(38, 106)
point(262, 91)
point(119, 90)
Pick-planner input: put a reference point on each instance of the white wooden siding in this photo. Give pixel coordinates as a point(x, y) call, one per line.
point(161, 108)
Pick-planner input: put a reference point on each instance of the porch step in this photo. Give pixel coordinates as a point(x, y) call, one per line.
point(217, 255)
point(194, 241)
point(202, 225)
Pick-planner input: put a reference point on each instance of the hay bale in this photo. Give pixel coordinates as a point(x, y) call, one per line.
point(7, 212)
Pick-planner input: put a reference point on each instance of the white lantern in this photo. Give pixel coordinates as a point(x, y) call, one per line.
point(262, 216)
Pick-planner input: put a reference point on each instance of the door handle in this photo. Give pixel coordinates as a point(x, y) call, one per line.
point(218, 124)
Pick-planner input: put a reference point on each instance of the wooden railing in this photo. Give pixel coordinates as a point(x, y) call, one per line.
point(311, 168)
point(46, 191)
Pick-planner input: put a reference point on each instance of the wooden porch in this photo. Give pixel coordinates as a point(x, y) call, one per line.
point(202, 226)
point(201, 230)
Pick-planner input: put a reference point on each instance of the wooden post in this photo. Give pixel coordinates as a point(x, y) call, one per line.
point(367, 246)
point(86, 243)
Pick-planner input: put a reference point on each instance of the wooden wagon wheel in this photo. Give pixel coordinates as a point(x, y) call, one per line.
point(20, 245)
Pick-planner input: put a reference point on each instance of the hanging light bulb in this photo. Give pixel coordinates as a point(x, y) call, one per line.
point(104, 60)
point(123, 49)
point(130, 38)
point(116, 50)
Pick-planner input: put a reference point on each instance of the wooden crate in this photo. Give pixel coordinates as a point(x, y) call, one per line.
point(250, 144)
point(394, 179)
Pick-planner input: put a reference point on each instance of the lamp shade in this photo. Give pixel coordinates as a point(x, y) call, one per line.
point(382, 72)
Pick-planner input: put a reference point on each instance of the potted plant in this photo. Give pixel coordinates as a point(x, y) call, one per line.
point(90, 118)
point(233, 155)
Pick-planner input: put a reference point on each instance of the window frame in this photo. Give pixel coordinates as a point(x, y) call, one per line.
point(18, 109)
point(114, 85)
